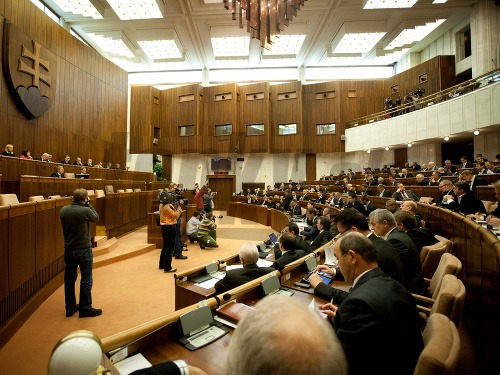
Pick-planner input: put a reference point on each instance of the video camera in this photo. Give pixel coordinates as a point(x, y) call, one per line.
point(167, 197)
point(419, 93)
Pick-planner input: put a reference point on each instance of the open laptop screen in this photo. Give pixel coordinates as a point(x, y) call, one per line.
point(274, 238)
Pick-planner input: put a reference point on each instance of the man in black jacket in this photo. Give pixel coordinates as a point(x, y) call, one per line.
point(76, 219)
point(377, 321)
point(249, 255)
point(288, 252)
point(384, 225)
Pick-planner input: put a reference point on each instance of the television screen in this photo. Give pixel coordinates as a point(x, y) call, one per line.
point(221, 164)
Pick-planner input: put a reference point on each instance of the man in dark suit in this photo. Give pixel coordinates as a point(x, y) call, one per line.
point(446, 188)
point(435, 178)
point(404, 173)
point(59, 172)
point(377, 318)
point(464, 163)
point(466, 201)
point(286, 200)
point(401, 194)
point(324, 234)
point(473, 180)
point(300, 244)
point(421, 180)
point(384, 225)
point(321, 199)
point(412, 208)
point(368, 205)
point(249, 255)
point(387, 258)
point(352, 202)
point(295, 209)
point(420, 236)
point(309, 233)
point(364, 189)
point(288, 252)
point(382, 192)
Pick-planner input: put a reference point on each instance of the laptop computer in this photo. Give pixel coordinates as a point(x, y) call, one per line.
point(199, 328)
point(212, 270)
point(310, 265)
point(272, 285)
point(263, 250)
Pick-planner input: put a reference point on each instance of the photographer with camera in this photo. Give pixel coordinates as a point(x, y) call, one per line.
point(208, 200)
point(207, 236)
point(170, 213)
point(198, 197)
point(192, 226)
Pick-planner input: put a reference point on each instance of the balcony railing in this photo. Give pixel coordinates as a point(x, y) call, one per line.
point(425, 101)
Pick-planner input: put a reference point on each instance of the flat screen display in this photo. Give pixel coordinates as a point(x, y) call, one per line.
point(221, 164)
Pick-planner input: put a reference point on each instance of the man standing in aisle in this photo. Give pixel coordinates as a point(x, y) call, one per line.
point(76, 218)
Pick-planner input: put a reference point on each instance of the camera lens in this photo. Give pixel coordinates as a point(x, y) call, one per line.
point(220, 216)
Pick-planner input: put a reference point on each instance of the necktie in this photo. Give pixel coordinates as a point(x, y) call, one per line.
point(405, 195)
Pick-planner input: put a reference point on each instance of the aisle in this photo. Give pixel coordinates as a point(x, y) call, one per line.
point(130, 292)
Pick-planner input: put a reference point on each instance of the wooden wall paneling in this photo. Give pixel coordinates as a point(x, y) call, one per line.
point(286, 111)
point(141, 99)
point(21, 244)
point(28, 187)
point(311, 167)
point(125, 208)
point(219, 111)
point(321, 105)
point(254, 108)
point(4, 251)
point(45, 221)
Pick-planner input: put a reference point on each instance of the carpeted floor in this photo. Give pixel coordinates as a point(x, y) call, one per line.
point(130, 292)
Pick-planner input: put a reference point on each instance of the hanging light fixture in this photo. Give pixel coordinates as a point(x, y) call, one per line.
point(265, 18)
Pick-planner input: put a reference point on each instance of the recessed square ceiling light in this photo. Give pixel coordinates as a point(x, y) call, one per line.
point(84, 7)
point(114, 43)
point(358, 42)
point(231, 46)
point(385, 4)
point(408, 36)
point(137, 9)
point(160, 49)
point(286, 45)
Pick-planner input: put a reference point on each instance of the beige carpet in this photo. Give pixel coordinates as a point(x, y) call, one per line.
point(130, 292)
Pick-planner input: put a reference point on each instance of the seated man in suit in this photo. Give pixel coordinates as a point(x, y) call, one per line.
point(435, 178)
point(420, 236)
point(387, 256)
point(249, 255)
point(378, 316)
point(288, 252)
point(368, 205)
point(391, 205)
point(384, 225)
point(352, 202)
point(404, 173)
point(272, 328)
point(295, 209)
point(465, 201)
point(59, 172)
point(446, 188)
point(401, 194)
point(293, 230)
point(473, 180)
point(464, 163)
point(421, 180)
point(309, 233)
point(324, 234)
point(412, 208)
point(491, 167)
point(382, 192)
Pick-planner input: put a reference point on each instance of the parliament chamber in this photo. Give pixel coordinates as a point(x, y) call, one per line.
point(97, 113)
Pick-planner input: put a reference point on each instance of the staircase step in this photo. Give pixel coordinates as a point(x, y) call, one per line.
point(106, 247)
point(100, 240)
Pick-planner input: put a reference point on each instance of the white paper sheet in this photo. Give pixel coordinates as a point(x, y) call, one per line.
point(130, 364)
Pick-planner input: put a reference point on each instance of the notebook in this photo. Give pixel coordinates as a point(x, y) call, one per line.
point(199, 328)
point(212, 271)
point(330, 258)
point(272, 285)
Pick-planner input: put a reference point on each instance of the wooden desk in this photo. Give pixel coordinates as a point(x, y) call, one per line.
point(156, 340)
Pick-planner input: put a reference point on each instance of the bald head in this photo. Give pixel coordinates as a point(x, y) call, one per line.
point(258, 348)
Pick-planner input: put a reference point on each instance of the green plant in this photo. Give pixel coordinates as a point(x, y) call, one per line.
point(158, 170)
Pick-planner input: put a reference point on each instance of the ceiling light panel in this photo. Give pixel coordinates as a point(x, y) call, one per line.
point(137, 9)
point(358, 42)
point(231, 46)
point(408, 36)
point(115, 43)
point(160, 49)
point(357, 37)
point(82, 7)
point(386, 4)
point(286, 45)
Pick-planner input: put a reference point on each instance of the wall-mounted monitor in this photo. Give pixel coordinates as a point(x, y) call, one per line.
point(220, 164)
